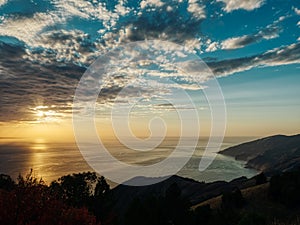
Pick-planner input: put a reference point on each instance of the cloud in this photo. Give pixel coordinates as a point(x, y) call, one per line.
point(173, 21)
point(46, 49)
point(46, 42)
point(3, 2)
point(64, 46)
point(196, 9)
point(91, 10)
point(27, 29)
point(213, 46)
point(231, 5)
point(46, 45)
point(270, 32)
point(151, 3)
point(53, 84)
point(279, 56)
point(297, 11)
point(26, 85)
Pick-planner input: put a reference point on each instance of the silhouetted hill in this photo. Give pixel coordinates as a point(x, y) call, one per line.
point(271, 154)
point(191, 190)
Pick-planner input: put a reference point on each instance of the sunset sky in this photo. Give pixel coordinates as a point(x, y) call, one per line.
point(251, 46)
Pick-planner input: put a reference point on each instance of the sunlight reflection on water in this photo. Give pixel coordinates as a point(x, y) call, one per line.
point(51, 161)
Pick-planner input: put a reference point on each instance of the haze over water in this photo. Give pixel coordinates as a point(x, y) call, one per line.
point(53, 160)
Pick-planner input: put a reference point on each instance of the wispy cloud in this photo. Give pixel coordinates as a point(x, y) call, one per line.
point(279, 56)
point(270, 32)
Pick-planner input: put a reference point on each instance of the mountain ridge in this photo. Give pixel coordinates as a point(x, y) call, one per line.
point(277, 153)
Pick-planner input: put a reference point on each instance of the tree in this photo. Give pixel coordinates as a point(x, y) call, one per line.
point(6, 183)
point(233, 199)
point(31, 202)
point(76, 189)
point(86, 190)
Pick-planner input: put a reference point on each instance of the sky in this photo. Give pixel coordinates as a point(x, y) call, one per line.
point(252, 48)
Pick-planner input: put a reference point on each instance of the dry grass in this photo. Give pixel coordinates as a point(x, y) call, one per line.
point(258, 192)
point(258, 200)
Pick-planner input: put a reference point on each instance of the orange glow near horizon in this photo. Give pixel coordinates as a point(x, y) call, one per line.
point(63, 131)
point(51, 126)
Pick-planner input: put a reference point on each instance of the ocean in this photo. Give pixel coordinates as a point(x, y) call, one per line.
point(53, 160)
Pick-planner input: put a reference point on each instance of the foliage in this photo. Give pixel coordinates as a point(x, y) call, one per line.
point(86, 198)
point(86, 190)
point(31, 202)
point(75, 189)
point(6, 183)
point(233, 199)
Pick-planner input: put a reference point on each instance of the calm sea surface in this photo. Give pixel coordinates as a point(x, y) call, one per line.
point(53, 160)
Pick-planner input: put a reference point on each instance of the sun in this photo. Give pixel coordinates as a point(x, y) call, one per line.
point(45, 114)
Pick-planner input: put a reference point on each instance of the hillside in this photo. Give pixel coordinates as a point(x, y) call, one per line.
point(191, 190)
point(275, 202)
point(270, 154)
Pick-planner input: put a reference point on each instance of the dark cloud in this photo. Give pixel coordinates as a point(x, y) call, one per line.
point(25, 84)
point(172, 21)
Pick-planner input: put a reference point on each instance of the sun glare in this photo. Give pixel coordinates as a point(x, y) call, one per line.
point(45, 114)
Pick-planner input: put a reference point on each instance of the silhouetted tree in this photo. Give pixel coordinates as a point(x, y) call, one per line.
point(102, 202)
point(31, 202)
point(75, 189)
point(233, 199)
point(6, 183)
point(177, 207)
point(86, 190)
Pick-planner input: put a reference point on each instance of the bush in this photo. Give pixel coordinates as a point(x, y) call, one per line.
point(31, 202)
point(233, 199)
point(6, 183)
